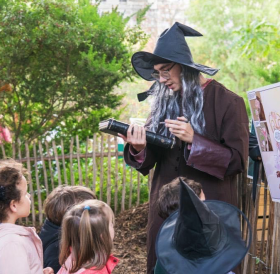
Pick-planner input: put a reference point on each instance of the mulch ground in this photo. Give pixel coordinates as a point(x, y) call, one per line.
point(130, 240)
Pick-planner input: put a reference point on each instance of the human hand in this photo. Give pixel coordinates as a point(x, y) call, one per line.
point(181, 129)
point(136, 136)
point(48, 270)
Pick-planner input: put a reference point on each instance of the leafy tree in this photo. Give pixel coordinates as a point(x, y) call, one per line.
point(240, 38)
point(62, 60)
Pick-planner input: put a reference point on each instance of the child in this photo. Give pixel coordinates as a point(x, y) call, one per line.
point(87, 239)
point(55, 206)
point(20, 247)
point(168, 200)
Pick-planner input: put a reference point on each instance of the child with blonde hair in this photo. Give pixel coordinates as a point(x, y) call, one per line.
point(61, 199)
point(20, 247)
point(87, 239)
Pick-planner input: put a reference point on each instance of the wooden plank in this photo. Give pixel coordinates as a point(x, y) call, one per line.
point(274, 241)
point(14, 150)
point(124, 179)
point(71, 162)
point(109, 172)
point(86, 163)
point(3, 151)
point(94, 168)
point(130, 185)
point(270, 233)
point(44, 167)
point(30, 184)
point(116, 177)
point(101, 168)
point(57, 163)
point(264, 225)
point(79, 162)
point(138, 189)
point(50, 165)
point(19, 160)
point(277, 238)
point(40, 208)
point(63, 163)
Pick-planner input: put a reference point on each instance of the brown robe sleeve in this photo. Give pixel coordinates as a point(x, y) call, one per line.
point(151, 157)
point(229, 156)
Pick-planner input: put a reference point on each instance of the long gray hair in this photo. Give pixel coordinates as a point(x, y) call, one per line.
point(170, 105)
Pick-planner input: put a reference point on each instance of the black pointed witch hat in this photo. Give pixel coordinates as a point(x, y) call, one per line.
point(201, 237)
point(171, 47)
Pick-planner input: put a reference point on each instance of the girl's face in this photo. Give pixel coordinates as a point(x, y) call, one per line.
point(23, 206)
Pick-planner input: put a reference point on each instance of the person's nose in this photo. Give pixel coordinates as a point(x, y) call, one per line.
point(161, 79)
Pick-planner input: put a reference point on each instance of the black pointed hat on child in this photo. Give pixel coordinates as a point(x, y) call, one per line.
point(201, 237)
point(171, 47)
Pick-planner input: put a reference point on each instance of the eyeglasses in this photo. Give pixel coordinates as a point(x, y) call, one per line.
point(164, 74)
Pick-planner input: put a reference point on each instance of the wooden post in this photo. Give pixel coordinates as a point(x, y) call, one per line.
point(63, 163)
point(109, 172)
point(19, 159)
point(101, 167)
point(275, 243)
point(30, 184)
point(14, 150)
point(130, 186)
point(116, 176)
point(71, 162)
point(50, 164)
point(57, 163)
point(79, 163)
point(86, 163)
point(40, 208)
point(44, 168)
point(3, 151)
point(138, 189)
point(263, 226)
point(94, 168)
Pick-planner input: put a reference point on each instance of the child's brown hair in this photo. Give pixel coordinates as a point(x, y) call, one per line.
point(11, 173)
point(62, 198)
point(168, 200)
point(85, 230)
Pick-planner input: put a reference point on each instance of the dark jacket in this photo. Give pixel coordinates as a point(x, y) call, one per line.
point(50, 235)
point(214, 159)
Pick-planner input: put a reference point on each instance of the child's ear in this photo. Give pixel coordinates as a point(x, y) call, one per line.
point(13, 206)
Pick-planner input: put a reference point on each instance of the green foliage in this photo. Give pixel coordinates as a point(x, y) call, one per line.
point(63, 60)
point(140, 15)
point(240, 37)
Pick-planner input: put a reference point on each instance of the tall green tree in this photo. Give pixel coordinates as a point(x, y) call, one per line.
point(62, 60)
point(239, 38)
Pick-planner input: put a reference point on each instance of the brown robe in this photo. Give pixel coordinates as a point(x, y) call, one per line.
point(214, 159)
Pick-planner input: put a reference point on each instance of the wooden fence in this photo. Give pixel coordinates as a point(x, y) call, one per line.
point(98, 164)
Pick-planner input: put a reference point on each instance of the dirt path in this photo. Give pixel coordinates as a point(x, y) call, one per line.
point(130, 240)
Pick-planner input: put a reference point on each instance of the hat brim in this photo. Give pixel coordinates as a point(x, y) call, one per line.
point(226, 260)
point(143, 62)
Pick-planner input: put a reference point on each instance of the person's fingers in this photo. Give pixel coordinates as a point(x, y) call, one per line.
point(182, 118)
point(123, 137)
point(143, 134)
point(169, 121)
point(136, 133)
point(128, 134)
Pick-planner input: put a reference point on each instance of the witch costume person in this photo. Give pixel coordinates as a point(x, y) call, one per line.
point(201, 237)
point(211, 148)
